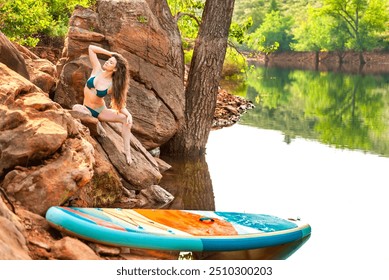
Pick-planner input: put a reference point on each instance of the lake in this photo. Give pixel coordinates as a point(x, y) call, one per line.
point(340, 192)
point(315, 147)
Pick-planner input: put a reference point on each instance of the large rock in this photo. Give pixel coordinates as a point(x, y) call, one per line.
point(32, 126)
point(40, 187)
point(10, 56)
point(69, 248)
point(47, 156)
point(12, 240)
point(42, 72)
point(40, 156)
point(144, 169)
point(145, 33)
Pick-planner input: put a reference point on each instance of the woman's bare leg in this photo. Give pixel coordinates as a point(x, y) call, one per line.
point(126, 134)
point(81, 108)
point(108, 115)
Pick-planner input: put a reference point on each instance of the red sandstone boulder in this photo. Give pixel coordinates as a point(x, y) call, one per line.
point(47, 156)
point(12, 240)
point(11, 57)
point(145, 33)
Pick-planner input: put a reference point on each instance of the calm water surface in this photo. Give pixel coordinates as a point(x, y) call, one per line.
point(316, 147)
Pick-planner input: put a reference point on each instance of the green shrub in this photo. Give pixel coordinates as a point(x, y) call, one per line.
point(21, 19)
point(24, 21)
point(235, 64)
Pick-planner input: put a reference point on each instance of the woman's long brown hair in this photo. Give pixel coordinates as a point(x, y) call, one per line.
point(120, 83)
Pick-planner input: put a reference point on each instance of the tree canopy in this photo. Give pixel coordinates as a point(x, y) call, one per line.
point(25, 21)
point(259, 25)
point(321, 25)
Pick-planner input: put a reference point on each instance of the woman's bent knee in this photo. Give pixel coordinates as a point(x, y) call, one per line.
point(81, 108)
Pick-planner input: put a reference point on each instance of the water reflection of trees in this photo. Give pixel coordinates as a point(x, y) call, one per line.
point(190, 183)
point(337, 109)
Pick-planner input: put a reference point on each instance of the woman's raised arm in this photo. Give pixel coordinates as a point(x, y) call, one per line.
point(93, 51)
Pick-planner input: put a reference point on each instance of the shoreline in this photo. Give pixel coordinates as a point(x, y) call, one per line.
point(377, 62)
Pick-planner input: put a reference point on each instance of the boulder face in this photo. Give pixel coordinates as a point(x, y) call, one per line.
point(11, 57)
point(12, 240)
point(47, 156)
point(50, 155)
point(145, 33)
point(42, 158)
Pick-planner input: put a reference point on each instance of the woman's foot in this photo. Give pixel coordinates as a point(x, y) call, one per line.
point(127, 154)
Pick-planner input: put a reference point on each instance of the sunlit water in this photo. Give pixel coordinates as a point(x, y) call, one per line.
point(316, 147)
point(341, 193)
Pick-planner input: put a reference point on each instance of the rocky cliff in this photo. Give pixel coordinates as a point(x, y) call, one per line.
point(50, 155)
point(145, 33)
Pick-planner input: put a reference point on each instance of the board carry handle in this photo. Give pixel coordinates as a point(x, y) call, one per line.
point(206, 220)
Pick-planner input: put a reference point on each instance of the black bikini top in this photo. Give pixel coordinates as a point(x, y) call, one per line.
point(90, 84)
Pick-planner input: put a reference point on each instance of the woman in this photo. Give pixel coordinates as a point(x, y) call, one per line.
point(112, 78)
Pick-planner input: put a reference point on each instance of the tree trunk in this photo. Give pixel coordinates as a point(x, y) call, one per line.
point(190, 183)
point(317, 60)
point(203, 81)
point(340, 57)
point(361, 58)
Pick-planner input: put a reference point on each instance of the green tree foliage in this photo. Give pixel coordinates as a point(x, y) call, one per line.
point(273, 34)
point(254, 9)
point(238, 31)
point(311, 33)
point(188, 16)
point(338, 109)
point(273, 6)
point(24, 21)
point(332, 25)
point(20, 19)
point(361, 19)
point(320, 32)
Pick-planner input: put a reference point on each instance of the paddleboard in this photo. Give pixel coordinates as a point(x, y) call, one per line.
point(181, 230)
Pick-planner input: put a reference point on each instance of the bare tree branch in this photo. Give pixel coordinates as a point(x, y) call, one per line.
point(181, 14)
